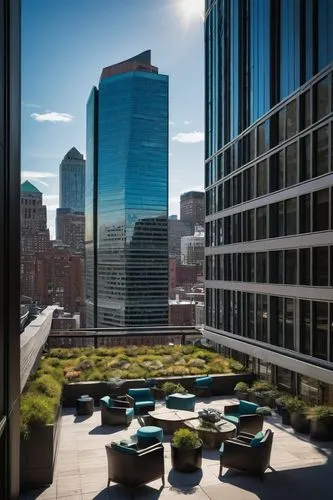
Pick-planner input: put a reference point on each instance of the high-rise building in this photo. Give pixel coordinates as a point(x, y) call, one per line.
point(269, 193)
point(127, 196)
point(10, 106)
point(176, 230)
point(70, 229)
point(72, 171)
point(35, 236)
point(192, 208)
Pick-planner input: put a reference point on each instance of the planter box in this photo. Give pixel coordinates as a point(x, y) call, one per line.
point(184, 460)
point(223, 385)
point(300, 423)
point(242, 396)
point(322, 429)
point(285, 416)
point(38, 454)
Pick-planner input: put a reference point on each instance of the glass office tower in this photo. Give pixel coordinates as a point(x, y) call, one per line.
point(127, 196)
point(10, 104)
point(269, 193)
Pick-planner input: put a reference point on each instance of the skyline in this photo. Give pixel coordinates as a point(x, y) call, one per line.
point(54, 121)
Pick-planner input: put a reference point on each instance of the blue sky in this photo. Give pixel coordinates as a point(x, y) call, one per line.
point(65, 45)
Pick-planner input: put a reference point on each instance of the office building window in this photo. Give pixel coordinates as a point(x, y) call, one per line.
point(306, 109)
point(320, 329)
point(290, 267)
point(305, 326)
point(321, 148)
point(262, 178)
point(276, 267)
point(321, 210)
point(291, 216)
point(305, 213)
point(304, 266)
point(320, 266)
point(261, 267)
point(262, 317)
point(276, 320)
point(305, 163)
point(291, 164)
point(261, 223)
point(322, 94)
point(291, 117)
point(289, 323)
point(276, 171)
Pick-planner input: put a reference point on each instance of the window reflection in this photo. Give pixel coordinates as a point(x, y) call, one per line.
point(305, 333)
point(321, 148)
point(322, 90)
point(305, 163)
point(291, 216)
point(304, 266)
point(320, 210)
point(320, 329)
point(261, 223)
point(320, 266)
point(290, 267)
point(291, 165)
point(291, 118)
point(262, 178)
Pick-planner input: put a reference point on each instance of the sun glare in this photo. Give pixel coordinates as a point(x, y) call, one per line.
point(191, 10)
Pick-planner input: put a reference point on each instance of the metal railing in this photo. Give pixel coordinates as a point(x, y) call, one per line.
point(119, 336)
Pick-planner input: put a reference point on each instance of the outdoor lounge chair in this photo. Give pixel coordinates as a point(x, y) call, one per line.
point(247, 453)
point(134, 467)
point(243, 415)
point(141, 400)
point(116, 411)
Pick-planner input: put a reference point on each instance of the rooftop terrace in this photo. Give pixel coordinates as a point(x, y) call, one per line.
point(302, 469)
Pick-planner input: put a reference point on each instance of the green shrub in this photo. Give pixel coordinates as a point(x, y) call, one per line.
point(236, 366)
point(295, 405)
point(185, 438)
point(36, 409)
point(172, 387)
point(47, 385)
point(320, 412)
point(241, 387)
point(261, 386)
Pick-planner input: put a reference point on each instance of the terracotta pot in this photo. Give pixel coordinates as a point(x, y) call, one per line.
point(186, 460)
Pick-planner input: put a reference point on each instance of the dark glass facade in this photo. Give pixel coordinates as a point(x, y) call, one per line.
point(127, 164)
point(10, 102)
point(269, 180)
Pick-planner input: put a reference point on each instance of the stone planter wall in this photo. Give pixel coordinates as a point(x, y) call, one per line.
point(38, 454)
point(223, 385)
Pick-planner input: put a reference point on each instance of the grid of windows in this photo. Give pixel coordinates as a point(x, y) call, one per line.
point(274, 319)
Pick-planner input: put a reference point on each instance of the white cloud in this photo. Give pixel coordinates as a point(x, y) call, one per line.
point(171, 122)
point(31, 174)
point(30, 105)
point(52, 116)
point(187, 122)
point(41, 182)
point(189, 137)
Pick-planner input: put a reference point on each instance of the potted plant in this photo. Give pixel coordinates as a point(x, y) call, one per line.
point(186, 451)
point(172, 388)
point(242, 390)
point(298, 415)
point(321, 422)
point(261, 392)
point(281, 405)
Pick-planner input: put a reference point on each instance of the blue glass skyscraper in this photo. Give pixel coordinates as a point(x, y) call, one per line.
point(269, 188)
point(127, 196)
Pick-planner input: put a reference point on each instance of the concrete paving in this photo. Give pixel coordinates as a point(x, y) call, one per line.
point(301, 469)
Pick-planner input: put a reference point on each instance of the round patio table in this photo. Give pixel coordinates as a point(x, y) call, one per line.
point(212, 437)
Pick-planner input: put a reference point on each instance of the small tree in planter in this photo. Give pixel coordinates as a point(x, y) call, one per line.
point(298, 415)
point(186, 451)
point(321, 422)
point(172, 388)
point(242, 390)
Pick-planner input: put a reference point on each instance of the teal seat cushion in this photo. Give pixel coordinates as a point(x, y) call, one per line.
point(231, 418)
point(247, 408)
point(150, 431)
point(129, 412)
point(124, 449)
point(256, 441)
point(106, 401)
point(140, 404)
point(221, 450)
point(203, 382)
